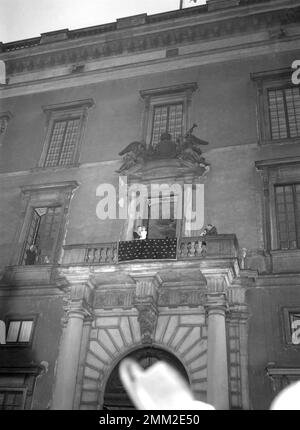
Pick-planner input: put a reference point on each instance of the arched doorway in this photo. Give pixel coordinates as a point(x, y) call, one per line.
point(115, 396)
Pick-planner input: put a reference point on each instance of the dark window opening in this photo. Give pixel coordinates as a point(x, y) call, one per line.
point(42, 235)
point(161, 222)
point(294, 325)
point(288, 215)
point(11, 400)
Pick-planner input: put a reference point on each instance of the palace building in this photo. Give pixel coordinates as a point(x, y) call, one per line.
point(115, 106)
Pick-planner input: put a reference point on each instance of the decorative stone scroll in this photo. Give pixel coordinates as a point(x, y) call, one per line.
point(146, 303)
point(147, 319)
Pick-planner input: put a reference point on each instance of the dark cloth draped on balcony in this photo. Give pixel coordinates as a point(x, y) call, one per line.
point(148, 249)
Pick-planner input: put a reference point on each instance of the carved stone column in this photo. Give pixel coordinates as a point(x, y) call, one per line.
point(217, 360)
point(77, 310)
point(146, 303)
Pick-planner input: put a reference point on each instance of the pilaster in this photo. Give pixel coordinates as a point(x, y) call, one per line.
point(217, 357)
point(78, 310)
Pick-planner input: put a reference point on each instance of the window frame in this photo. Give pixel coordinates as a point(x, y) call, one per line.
point(286, 311)
point(132, 222)
point(53, 253)
point(265, 81)
point(22, 390)
point(275, 172)
point(65, 112)
point(20, 317)
point(36, 196)
point(282, 87)
point(167, 105)
point(155, 97)
point(292, 184)
point(65, 122)
point(159, 200)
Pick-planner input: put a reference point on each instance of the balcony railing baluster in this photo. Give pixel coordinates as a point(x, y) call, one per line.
point(186, 248)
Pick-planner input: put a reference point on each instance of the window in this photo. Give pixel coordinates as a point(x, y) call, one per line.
point(295, 327)
point(281, 209)
point(164, 225)
point(284, 110)
point(12, 399)
point(278, 104)
point(167, 110)
point(167, 119)
point(44, 208)
point(291, 318)
point(19, 331)
point(65, 128)
point(287, 198)
point(156, 209)
point(42, 235)
point(63, 143)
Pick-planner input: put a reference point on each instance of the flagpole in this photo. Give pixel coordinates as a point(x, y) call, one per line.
point(181, 4)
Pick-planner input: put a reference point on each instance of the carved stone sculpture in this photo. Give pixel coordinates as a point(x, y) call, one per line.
point(187, 149)
point(147, 318)
point(133, 154)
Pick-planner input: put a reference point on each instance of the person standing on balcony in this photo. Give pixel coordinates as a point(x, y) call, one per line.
point(31, 255)
point(143, 233)
point(137, 233)
point(210, 230)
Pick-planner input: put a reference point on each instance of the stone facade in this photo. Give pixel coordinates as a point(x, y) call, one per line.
point(220, 315)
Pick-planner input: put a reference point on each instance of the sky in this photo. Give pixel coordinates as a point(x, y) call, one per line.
point(22, 19)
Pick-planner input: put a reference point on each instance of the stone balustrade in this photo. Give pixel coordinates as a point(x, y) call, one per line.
point(219, 246)
point(98, 253)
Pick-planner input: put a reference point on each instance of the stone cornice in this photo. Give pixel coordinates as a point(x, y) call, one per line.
point(142, 20)
point(276, 162)
point(128, 22)
point(38, 82)
point(30, 369)
point(169, 90)
point(179, 31)
point(280, 371)
point(7, 292)
point(49, 187)
point(87, 103)
point(272, 74)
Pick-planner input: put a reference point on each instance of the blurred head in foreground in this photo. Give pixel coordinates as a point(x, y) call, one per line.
point(288, 399)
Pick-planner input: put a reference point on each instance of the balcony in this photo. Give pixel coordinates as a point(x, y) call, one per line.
point(188, 248)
